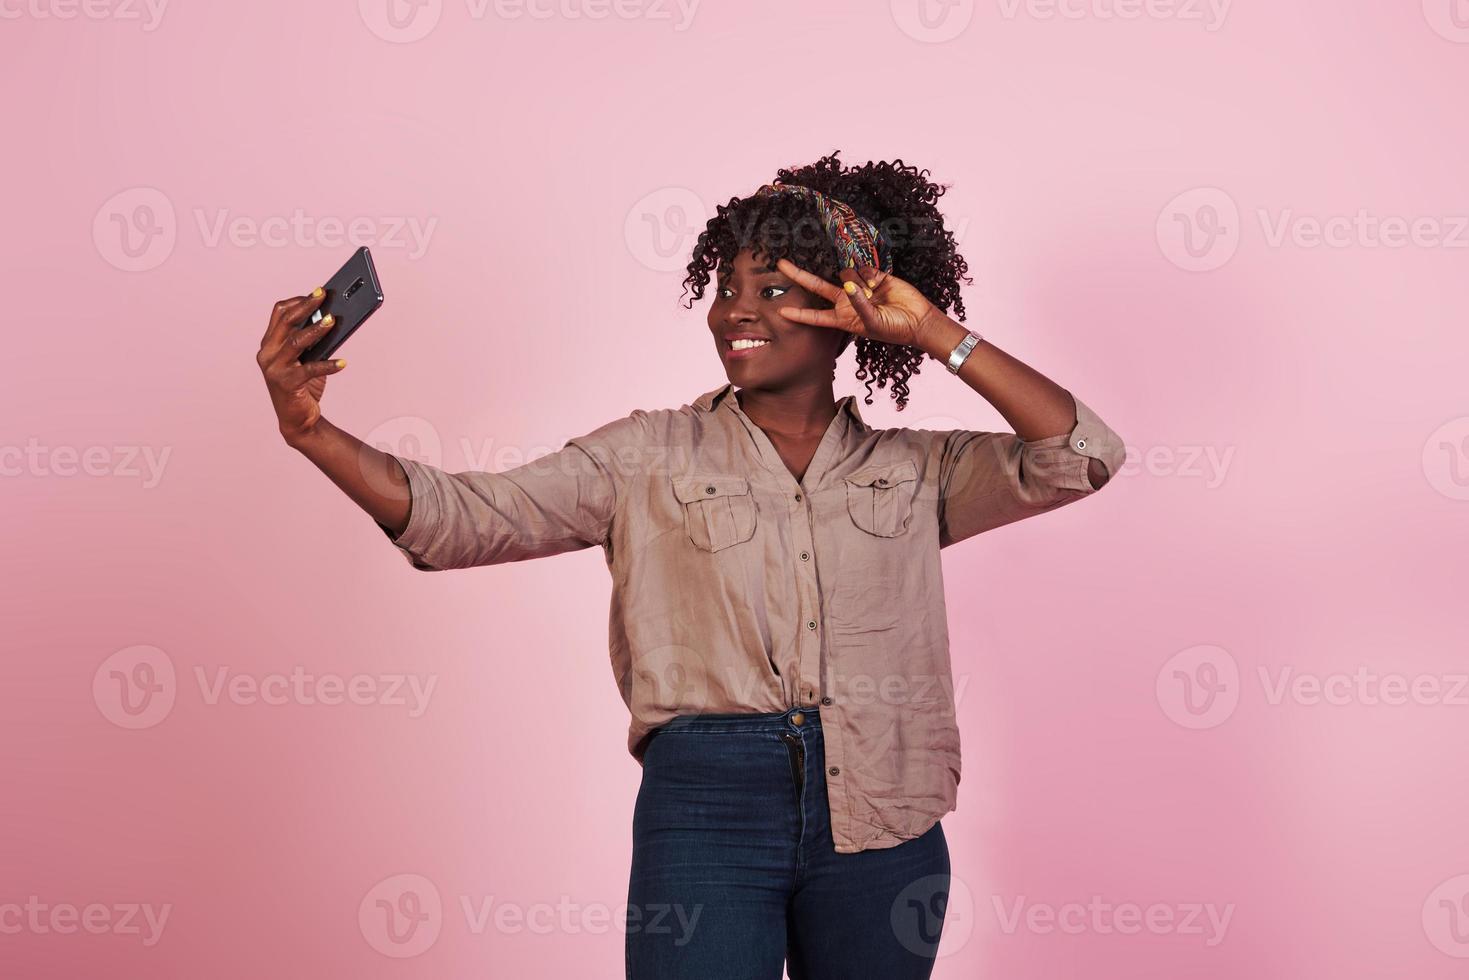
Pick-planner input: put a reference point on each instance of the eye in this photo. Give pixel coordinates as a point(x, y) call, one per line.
point(723, 291)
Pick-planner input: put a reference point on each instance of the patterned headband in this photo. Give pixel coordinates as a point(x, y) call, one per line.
point(856, 239)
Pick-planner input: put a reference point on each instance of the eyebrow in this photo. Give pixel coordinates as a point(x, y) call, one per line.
point(758, 272)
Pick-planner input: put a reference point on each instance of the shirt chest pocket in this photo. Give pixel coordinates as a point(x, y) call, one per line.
point(718, 511)
point(880, 497)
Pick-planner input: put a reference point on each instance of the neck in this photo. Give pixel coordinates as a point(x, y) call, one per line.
point(795, 411)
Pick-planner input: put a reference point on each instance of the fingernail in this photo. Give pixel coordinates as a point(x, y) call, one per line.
point(329, 319)
point(868, 292)
point(850, 287)
point(341, 362)
point(872, 282)
point(318, 293)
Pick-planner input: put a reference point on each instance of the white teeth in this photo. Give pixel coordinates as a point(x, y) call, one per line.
point(748, 344)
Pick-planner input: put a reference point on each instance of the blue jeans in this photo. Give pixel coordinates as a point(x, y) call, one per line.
point(734, 872)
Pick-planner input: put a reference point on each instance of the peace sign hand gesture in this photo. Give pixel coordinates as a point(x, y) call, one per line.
point(890, 310)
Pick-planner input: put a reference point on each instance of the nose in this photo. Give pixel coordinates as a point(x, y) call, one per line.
point(741, 311)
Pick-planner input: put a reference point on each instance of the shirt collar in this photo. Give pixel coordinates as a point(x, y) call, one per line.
point(710, 399)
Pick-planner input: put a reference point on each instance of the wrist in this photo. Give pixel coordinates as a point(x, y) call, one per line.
point(304, 440)
point(937, 334)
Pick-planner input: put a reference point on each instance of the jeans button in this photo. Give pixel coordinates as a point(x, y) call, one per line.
point(797, 718)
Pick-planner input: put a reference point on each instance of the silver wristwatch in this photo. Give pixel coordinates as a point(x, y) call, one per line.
point(961, 351)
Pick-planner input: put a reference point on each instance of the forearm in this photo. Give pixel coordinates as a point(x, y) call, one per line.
point(1034, 405)
point(372, 478)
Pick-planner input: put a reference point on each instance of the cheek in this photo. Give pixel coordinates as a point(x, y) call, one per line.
point(807, 343)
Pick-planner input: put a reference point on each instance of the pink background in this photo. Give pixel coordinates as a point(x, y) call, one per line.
point(1293, 506)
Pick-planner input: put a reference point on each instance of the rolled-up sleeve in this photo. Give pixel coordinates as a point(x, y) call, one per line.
point(989, 479)
point(563, 501)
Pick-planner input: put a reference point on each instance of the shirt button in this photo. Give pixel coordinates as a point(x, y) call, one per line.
point(1081, 444)
point(805, 556)
point(797, 718)
point(810, 624)
point(798, 496)
point(708, 489)
point(882, 481)
point(826, 700)
point(833, 771)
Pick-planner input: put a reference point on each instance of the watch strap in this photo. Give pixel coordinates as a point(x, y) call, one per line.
point(961, 351)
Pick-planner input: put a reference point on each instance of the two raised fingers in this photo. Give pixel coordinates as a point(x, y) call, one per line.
point(854, 288)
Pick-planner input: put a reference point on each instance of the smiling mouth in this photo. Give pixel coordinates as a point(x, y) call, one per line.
point(746, 345)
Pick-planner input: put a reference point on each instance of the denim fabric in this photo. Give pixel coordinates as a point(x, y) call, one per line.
point(734, 871)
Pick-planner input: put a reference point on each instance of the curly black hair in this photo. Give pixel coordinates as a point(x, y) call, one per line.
point(895, 197)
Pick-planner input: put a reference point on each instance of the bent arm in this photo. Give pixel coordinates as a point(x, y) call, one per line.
point(375, 480)
point(1059, 452)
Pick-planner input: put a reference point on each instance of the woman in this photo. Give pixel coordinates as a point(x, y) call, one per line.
point(777, 628)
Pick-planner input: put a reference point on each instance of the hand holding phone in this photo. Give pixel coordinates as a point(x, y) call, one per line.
point(352, 295)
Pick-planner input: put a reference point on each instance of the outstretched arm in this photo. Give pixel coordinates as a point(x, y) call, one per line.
point(372, 478)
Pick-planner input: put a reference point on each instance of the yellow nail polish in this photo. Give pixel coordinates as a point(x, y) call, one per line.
point(318, 293)
point(868, 292)
point(328, 319)
point(341, 362)
point(872, 282)
point(850, 287)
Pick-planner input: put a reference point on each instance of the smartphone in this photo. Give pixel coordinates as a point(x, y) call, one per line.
point(352, 295)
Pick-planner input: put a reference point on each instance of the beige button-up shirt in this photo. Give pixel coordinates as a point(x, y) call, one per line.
point(737, 588)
